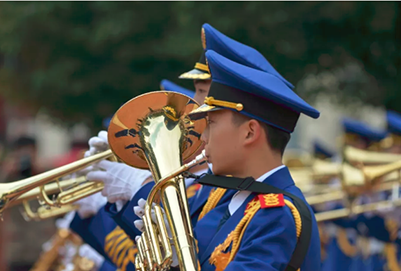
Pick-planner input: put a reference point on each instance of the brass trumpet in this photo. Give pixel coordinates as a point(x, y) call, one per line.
point(65, 198)
point(11, 191)
point(49, 189)
point(69, 196)
point(153, 131)
point(45, 212)
point(80, 190)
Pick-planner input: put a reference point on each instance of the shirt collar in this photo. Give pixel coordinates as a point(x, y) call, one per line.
point(269, 173)
point(279, 177)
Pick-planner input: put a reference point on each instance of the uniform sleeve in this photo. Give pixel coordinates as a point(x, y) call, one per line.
point(126, 217)
point(116, 245)
point(107, 266)
point(82, 228)
point(268, 241)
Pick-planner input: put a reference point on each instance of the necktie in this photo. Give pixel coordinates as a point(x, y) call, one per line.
point(224, 219)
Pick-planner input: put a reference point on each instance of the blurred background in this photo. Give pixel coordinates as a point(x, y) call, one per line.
point(65, 66)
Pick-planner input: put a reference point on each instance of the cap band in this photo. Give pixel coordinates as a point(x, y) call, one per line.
point(279, 115)
point(202, 67)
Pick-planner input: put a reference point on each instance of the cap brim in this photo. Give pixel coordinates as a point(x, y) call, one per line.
point(201, 112)
point(195, 74)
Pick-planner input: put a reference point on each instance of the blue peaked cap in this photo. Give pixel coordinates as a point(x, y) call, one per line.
point(261, 95)
point(168, 85)
point(321, 149)
point(238, 52)
point(394, 122)
point(359, 128)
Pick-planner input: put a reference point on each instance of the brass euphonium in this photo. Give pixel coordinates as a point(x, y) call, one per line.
point(153, 131)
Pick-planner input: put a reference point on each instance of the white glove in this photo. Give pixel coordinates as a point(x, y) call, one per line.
point(88, 252)
point(140, 211)
point(98, 144)
point(64, 223)
point(121, 181)
point(89, 206)
point(69, 267)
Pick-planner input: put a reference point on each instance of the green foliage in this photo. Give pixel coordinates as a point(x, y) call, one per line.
point(82, 60)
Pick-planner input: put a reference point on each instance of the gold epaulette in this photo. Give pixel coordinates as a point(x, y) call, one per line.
point(192, 189)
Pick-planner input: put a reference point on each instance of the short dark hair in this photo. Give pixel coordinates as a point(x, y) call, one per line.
point(276, 138)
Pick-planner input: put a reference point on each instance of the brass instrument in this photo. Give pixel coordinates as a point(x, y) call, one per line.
point(352, 154)
point(45, 212)
point(374, 172)
point(294, 158)
point(50, 257)
point(314, 177)
point(79, 191)
point(64, 201)
point(153, 131)
point(358, 209)
point(12, 191)
point(83, 264)
point(367, 176)
point(49, 189)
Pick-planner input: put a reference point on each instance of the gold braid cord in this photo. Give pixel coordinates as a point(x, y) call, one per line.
point(390, 250)
point(392, 227)
point(211, 101)
point(345, 246)
point(221, 259)
point(214, 198)
point(120, 248)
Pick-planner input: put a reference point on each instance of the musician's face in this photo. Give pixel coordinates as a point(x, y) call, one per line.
point(222, 143)
point(201, 90)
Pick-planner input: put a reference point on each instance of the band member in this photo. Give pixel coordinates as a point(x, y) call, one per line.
point(321, 151)
point(350, 247)
point(251, 115)
point(236, 51)
point(125, 216)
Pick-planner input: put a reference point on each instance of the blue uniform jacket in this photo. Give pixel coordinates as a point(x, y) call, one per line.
point(125, 217)
point(107, 266)
point(268, 241)
point(82, 228)
point(103, 234)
